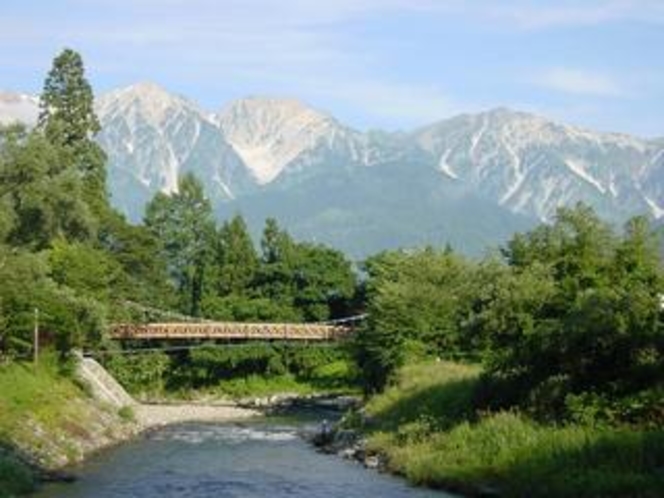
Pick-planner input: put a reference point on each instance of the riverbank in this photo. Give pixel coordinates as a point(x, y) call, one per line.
point(425, 429)
point(49, 421)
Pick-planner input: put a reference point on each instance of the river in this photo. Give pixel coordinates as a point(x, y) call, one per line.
point(261, 458)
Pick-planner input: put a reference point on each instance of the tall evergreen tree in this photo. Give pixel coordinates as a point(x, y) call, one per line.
point(237, 261)
point(275, 279)
point(68, 120)
point(276, 244)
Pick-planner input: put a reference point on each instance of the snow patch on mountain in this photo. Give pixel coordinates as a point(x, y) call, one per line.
point(478, 136)
point(145, 101)
point(271, 135)
point(264, 164)
point(445, 166)
point(656, 209)
point(518, 173)
point(578, 167)
point(532, 165)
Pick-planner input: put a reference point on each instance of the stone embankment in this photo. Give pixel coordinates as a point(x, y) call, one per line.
point(106, 389)
point(103, 385)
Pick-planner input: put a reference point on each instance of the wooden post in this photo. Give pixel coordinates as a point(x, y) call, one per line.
point(36, 338)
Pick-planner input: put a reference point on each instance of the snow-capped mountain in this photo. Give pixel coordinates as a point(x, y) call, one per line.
point(471, 179)
point(275, 136)
point(531, 165)
point(152, 137)
point(18, 108)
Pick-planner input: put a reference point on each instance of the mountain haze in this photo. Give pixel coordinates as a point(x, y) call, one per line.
point(470, 180)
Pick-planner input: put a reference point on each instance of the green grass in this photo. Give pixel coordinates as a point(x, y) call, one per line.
point(258, 385)
point(426, 427)
point(127, 414)
point(39, 411)
point(430, 393)
point(39, 392)
point(29, 397)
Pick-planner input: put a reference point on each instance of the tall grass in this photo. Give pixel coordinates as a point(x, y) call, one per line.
point(431, 393)
point(426, 426)
point(35, 401)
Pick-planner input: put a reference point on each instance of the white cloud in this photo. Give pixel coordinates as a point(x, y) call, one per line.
point(578, 81)
point(407, 104)
point(315, 49)
point(563, 14)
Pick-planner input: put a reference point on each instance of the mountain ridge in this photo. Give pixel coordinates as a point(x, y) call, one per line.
point(258, 153)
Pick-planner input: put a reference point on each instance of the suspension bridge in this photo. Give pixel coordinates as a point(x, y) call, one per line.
point(185, 327)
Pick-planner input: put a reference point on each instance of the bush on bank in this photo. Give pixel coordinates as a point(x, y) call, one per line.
point(430, 432)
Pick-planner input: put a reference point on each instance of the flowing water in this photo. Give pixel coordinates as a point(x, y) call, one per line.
point(267, 458)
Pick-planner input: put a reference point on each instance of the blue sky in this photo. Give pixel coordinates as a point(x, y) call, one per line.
point(394, 64)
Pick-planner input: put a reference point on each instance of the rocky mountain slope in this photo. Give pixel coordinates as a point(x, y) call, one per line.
point(531, 165)
point(277, 136)
point(470, 180)
point(152, 137)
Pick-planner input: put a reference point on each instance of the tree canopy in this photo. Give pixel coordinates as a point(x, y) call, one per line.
point(182, 222)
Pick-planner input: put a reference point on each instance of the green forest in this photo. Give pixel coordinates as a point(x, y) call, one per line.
point(556, 338)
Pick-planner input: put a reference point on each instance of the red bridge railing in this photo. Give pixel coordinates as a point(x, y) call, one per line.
point(231, 330)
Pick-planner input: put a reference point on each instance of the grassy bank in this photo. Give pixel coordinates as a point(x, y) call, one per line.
point(426, 426)
point(29, 398)
point(47, 421)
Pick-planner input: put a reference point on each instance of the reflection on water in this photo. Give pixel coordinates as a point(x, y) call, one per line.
point(227, 460)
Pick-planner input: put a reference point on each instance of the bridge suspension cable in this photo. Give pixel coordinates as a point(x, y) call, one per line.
point(192, 319)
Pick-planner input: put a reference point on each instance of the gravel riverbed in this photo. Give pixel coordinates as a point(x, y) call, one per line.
point(156, 415)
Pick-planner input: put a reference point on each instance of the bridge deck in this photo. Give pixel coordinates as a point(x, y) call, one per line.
point(230, 330)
